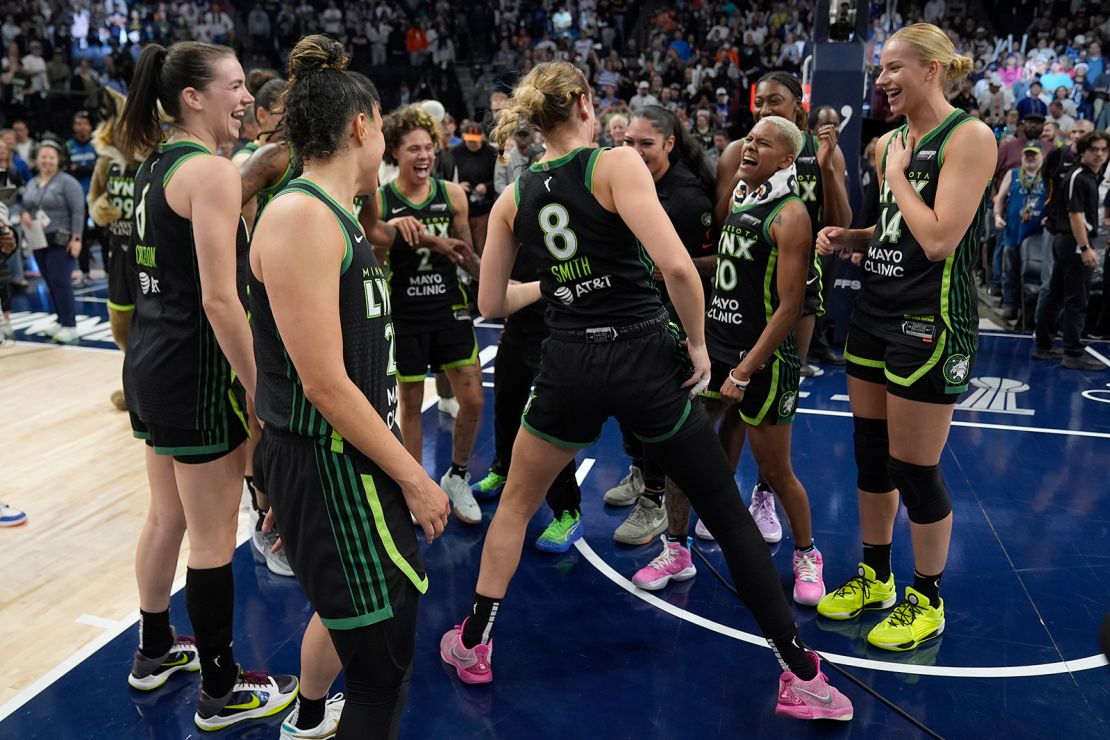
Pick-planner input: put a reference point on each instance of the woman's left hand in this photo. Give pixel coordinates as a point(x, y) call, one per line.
point(74, 247)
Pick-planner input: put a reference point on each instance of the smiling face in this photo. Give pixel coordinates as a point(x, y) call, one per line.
point(905, 79)
point(774, 99)
point(220, 106)
point(650, 144)
point(415, 156)
point(47, 160)
point(764, 152)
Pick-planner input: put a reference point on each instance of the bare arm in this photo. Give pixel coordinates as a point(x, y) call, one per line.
point(304, 297)
point(460, 227)
point(1000, 200)
point(263, 168)
point(206, 190)
point(835, 208)
point(496, 297)
point(969, 162)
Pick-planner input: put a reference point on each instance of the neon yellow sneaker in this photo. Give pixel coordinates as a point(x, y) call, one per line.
point(859, 593)
point(490, 486)
point(912, 622)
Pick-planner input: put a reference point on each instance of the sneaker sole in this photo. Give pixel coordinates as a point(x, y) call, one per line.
point(683, 575)
point(464, 520)
point(259, 713)
point(646, 538)
point(466, 677)
point(907, 646)
point(556, 547)
point(150, 683)
point(803, 602)
point(807, 712)
point(279, 569)
point(13, 522)
point(874, 606)
point(492, 493)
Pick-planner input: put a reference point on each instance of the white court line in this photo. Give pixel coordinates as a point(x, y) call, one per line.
point(94, 621)
point(75, 659)
point(1042, 669)
point(1098, 356)
point(981, 425)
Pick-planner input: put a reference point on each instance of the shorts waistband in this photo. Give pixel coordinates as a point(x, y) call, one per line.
point(606, 334)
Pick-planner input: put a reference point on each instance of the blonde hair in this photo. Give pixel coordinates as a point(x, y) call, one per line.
point(545, 98)
point(403, 121)
point(789, 131)
point(933, 45)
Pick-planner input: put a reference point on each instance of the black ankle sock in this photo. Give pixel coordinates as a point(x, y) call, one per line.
point(310, 712)
point(793, 657)
point(677, 538)
point(928, 586)
point(655, 497)
point(761, 483)
point(210, 598)
point(806, 550)
point(155, 637)
point(877, 557)
point(459, 470)
point(481, 619)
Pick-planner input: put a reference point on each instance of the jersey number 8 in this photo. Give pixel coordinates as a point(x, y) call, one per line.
point(561, 241)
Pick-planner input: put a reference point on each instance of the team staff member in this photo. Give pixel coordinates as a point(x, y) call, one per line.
point(1076, 226)
point(821, 185)
point(914, 331)
point(331, 455)
point(590, 218)
point(684, 185)
point(189, 333)
point(431, 307)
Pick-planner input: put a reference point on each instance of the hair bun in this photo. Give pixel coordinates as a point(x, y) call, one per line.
point(316, 53)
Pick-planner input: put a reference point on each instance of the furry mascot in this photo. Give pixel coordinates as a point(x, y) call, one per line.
point(112, 205)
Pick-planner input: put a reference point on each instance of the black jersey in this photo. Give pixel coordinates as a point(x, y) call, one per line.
point(427, 293)
point(690, 209)
point(121, 194)
point(593, 271)
point(365, 319)
point(746, 293)
point(906, 297)
point(529, 319)
point(810, 187)
point(174, 371)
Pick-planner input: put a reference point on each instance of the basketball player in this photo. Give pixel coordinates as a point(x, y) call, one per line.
point(821, 185)
point(914, 331)
point(431, 306)
point(188, 335)
point(268, 113)
point(340, 481)
point(590, 218)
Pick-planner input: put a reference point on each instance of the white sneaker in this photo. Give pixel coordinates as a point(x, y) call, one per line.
point(458, 488)
point(449, 406)
point(628, 491)
point(646, 522)
point(67, 335)
point(51, 330)
point(276, 562)
point(326, 729)
point(702, 532)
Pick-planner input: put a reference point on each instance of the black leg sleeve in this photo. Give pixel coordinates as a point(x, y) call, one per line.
point(564, 494)
point(512, 382)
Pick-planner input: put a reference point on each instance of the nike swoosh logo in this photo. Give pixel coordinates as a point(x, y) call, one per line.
point(181, 660)
point(812, 280)
point(396, 210)
point(255, 703)
point(358, 239)
point(826, 699)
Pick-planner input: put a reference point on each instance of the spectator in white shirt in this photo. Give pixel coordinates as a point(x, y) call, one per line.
point(35, 68)
point(1057, 115)
point(333, 19)
point(643, 96)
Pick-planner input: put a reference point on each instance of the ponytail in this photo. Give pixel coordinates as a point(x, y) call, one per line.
point(545, 99)
point(687, 149)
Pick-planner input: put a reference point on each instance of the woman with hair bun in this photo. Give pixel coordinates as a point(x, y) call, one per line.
point(914, 332)
point(592, 222)
point(189, 360)
point(339, 480)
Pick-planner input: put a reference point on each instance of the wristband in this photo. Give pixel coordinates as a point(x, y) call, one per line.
point(741, 384)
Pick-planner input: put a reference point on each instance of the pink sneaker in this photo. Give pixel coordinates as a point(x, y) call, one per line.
point(813, 699)
point(473, 664)
point(809, 586)
point(673, 563)
point(762, 510)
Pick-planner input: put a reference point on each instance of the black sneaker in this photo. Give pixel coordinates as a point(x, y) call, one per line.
point(148, 674)
point(255, 694)
point(1052, 353)
point(1082, 362)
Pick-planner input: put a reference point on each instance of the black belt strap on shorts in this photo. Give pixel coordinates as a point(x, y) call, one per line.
point(605, 334)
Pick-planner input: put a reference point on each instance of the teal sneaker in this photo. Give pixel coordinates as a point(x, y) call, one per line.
point(490, 486)
point(561, 533)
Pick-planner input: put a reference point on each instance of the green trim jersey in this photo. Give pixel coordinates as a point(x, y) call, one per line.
point(292, 171)
point(593, 271)
point(174, 371)
point(120, 188)
point(906, 297)
point(365, 318)
point(810, 187)
point(426, 291)
point(745, 293)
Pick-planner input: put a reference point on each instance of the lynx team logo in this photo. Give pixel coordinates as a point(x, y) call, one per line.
point(956, 369)
point(788, 403)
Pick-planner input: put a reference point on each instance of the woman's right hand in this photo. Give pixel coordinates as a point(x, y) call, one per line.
point(410, 229)
point(699, 358)
point(429, 505)
point(833, 239)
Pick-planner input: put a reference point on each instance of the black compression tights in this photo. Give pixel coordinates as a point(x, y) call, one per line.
point(697, 464)
point(377, 665)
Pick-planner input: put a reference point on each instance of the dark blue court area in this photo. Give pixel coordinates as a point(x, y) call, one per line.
point(580, 653)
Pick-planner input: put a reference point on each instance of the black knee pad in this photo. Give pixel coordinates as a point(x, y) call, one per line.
point(872, 449)
point(923, 491)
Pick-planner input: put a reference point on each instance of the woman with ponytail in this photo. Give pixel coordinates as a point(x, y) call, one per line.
point(914, 332)
point(590, 220)
point(331, 455)
point(189, 361)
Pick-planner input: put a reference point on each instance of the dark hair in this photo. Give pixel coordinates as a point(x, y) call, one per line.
point(269, 94)
point(1086, 140)
point(257, 79)
point(404, 121)
point(83, 114)
point(322, 97)
point(160, 76)
point(815, 114)
point(687, 149)
point(791, 83)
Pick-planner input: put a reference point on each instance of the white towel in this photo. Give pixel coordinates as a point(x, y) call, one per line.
point(782, 183)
